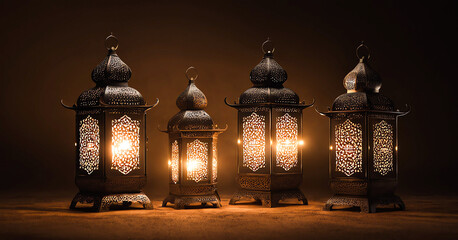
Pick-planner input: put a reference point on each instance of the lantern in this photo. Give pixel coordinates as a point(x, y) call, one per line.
point(110, 137)
point(269, 158)
point(193, 153)
point(363, 148)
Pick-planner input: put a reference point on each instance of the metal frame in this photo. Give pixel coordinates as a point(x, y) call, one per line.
point(365, 190)
point(110, 99)
point(198, 125)
point(270, 185)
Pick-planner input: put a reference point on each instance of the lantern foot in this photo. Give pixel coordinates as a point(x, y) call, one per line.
point(103, 202)
point(269, 198)
point(181, 202)
point(365, 203)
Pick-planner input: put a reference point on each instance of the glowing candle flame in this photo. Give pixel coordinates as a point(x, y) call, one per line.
point(90, 145)
point(124, 145)
point(192, 165)
point(301, 142)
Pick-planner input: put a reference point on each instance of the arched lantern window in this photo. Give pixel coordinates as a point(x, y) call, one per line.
point(111, 138)
point(192, 141)
point(270, 142)
point(363, 142)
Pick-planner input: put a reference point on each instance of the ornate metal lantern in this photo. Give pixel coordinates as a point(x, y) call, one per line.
point(110, 133)
point(192, 141)
point(269, 140)
point(363, 162)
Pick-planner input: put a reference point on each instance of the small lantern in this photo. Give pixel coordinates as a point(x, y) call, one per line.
point(363, 143)
point(110, 133)
point(269, 158)
point(192, 142)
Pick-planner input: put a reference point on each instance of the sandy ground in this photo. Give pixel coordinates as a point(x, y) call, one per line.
point(48, 217)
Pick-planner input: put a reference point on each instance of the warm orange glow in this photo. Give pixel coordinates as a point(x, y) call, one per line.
point(301, 142)
point(287, 144)
point(125, 144)
point(330, 147)
point(396, 148)
point(173, 163)
point(238, 141)
point(90, 146)
point(254, 141)
point(197, 160)
point(192, 165)
point(349, 147)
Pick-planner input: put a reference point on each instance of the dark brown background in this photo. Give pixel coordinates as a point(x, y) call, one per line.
point(48, 50)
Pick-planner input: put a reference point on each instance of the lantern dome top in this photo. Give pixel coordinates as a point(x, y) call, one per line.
point(363, 85)
point(112, 69)
point(362, 78)
point(111, 77)
point(268, 73)
point(191, 103)
point(363, 101)
point(268, 78)
point(191, 98)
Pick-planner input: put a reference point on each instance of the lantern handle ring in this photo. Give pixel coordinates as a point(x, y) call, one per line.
point(194, 77)
point(362, 45)
point(263, 45)
point(115, 44)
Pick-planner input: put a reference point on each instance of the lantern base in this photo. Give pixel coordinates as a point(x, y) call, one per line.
point(269, 198)
point(365, 203)
point(181, 202)
point(103, 202)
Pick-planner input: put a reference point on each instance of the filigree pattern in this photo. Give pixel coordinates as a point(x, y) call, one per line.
point(254, 141)
point(174, 161)
point(125, 144)
point(197, 160)
point(89, 144)
point(383, 147)
point(215, 163)
point(286, 141)
point(349, 147)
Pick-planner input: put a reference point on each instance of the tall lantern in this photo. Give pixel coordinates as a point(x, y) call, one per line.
point(269, 158)
point(363, 162)
point(110, 137)
point(192, 142)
